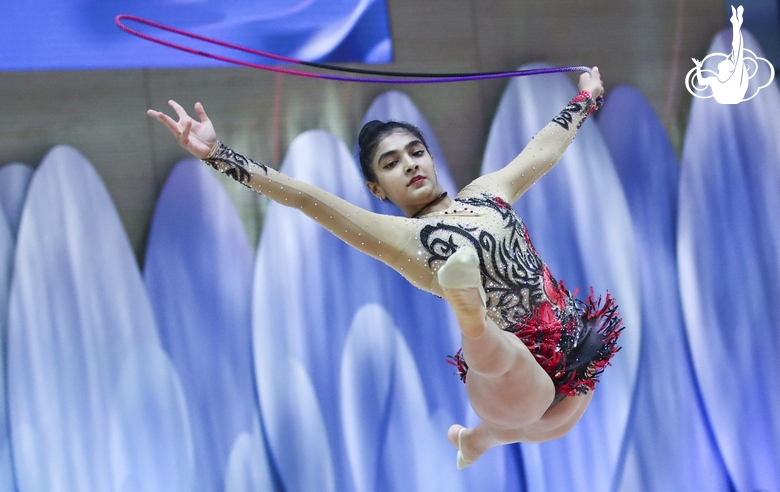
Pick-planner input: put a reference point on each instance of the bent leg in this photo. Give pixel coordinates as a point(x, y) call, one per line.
point(555, 423)
point(558, 420)
point(507, 388)
point(505, 384)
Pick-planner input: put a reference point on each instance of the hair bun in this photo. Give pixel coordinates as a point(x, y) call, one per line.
point(368, 132)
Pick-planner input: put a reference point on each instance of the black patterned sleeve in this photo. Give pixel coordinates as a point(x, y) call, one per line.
point(384, 237)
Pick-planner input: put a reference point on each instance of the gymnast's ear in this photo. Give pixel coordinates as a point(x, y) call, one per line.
point(376, 190)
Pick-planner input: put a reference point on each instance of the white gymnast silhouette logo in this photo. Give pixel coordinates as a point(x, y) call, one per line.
point(730, 84)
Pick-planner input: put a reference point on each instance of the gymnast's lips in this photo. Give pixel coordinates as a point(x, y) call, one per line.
point(416, 179)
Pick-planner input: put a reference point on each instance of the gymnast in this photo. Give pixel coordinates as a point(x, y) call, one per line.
point(531, 352)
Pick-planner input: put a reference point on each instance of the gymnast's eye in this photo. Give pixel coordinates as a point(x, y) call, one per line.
point(390, 165)
point(418, 153)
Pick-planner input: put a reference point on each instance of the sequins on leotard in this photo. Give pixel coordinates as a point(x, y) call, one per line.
point(570, 339)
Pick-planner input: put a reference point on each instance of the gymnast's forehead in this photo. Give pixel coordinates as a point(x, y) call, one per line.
point(397, 140)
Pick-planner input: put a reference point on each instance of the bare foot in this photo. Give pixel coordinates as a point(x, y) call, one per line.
point(461, 285)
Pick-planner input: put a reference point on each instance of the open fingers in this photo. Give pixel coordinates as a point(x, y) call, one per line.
point(172, 125)
point(185, 134)
point(179, 110)
point(201, 112)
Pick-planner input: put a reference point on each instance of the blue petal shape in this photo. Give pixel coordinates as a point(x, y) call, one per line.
point(578, 219)
point(77, 310)
point(296, 430)
point(6, 259)
point(150, 430)
point(367, 370)
point(248, 464)
point(391, 441)
point(729, 257)
point(14, 180)
point(668, 423)
point(307, 286)
point(199, 274)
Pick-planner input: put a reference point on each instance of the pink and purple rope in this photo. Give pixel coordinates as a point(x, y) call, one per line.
point(388, 77)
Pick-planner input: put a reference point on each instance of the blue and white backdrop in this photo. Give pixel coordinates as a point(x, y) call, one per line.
point(305, 365)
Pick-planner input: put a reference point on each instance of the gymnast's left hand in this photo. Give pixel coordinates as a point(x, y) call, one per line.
point(592, 83)
point(196, 136)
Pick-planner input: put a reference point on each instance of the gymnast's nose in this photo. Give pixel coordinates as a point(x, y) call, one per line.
point(410, 165)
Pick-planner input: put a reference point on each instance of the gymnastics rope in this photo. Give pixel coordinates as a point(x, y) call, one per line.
point(401, 77)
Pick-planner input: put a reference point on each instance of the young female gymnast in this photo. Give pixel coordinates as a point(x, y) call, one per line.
point(532, 352)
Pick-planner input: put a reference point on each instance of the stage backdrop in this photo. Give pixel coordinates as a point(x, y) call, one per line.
point(62, 34)
point(306, 365)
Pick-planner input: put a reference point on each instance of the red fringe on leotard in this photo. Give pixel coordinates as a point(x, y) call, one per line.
point(576, 371)
point(459, 362)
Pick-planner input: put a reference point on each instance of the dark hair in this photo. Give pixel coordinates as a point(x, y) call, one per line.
point(372, 134)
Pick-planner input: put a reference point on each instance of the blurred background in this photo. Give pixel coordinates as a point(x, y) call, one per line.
point(166, 329)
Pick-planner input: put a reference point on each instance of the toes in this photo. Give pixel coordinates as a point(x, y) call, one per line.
point(452, 434)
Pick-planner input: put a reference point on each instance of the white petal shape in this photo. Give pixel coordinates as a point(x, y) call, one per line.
point(77, 308)
point(248, 468)
point(413, 448)
point(728, 244)
point(391, 442)
point(14, 180)
point(578, 219)
point(367, 368)
point(296, 431)
point(668, 422)
point(151, 442)
point(307, 286)
point(199, 274)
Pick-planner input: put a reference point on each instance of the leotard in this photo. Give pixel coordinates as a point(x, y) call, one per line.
point(572, 340)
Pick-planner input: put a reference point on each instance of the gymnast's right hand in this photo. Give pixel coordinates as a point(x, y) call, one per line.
point(197, 137)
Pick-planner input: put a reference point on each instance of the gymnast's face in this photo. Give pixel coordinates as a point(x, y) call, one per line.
point(405, 173)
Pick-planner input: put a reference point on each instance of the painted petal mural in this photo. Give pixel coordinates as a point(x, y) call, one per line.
point(307, 285)
point(729, 256)
point(199, 275)
point(318, 368)
point(661, 437)
point(391, 441)
point(578, 219)
point(78, 312)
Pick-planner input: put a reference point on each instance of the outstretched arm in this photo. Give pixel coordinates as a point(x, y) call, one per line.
point(382, 236)
point(545, 148)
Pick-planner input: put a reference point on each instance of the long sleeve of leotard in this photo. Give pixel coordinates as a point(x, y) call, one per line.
point(384, 237)
point(539, 156)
